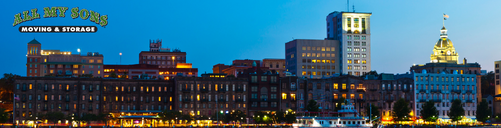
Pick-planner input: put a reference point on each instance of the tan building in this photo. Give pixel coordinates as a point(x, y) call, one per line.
point(275, 64)
point(314, 58)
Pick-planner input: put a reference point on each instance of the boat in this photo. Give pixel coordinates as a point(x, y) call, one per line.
point(346, 117)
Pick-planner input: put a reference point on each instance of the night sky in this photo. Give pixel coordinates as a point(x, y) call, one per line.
point(211, 32)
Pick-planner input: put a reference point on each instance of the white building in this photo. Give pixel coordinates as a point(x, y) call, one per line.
point(442, 88)
point(352, 29)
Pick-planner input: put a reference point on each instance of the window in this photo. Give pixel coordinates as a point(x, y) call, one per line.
point(335, 86)
point(263, 78)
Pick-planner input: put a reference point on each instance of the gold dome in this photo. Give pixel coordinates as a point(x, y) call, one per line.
point(443, 43)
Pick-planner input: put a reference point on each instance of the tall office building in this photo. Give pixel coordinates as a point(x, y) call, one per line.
point(312, 58)
point(352, 29)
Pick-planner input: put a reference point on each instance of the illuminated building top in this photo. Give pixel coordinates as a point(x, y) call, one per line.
point(444, 51)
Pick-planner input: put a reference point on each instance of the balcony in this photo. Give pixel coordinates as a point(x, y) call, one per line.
point(373, 90)
point(422, 100)
point(147, 101)
point(360, 89)
point(422, 91)
point(469, 101)
point(293, 89)
point(204, 100)
point(437, 100)
point(184, 100)
point(293, 99)
point(66, 109)
point(204, 90)
point(67, 100)
point(221, 90)
point(264, 99)
point(456, 91)
point(221, 100)
point(186, 90)
point(343, 90)
point(239, 90)
point(239, 100)
point(469, 91)
point(436, 91)
point(90, 109)
point(406, 90)
point(90, 100)
point(67, 90)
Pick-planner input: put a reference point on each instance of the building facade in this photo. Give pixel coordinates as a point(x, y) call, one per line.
point(313, 58)
point(61, 63)
point(385, 90)
point(211, 94)
point(497, 86)
point(444, 59)
point(163, 57)
point(149, 71)
point(443, 88)
point(263, 89)
point(352, 29)
point(275, 64)
point(79, 96)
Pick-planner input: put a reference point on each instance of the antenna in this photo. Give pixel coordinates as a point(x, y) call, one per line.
point(347, 5)
point(353, 8)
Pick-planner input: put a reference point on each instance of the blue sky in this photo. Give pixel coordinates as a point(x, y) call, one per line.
point(212, 32)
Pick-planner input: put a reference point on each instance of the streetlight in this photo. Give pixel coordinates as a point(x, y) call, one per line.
point(120, 58)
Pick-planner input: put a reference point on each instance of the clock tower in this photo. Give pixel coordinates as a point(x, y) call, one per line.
point(444, 51)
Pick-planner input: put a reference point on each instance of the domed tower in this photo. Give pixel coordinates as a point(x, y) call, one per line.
point(444, 51)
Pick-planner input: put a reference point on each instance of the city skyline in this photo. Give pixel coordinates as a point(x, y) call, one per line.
point(257, 31)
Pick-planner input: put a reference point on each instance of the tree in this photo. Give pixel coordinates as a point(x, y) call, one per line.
point(456, 111)
point(340, 102)
point(7, 87)
point(401, 110)
point(237, 116)
point(104, 117)
point(168, 115)
point(4, 115)
point(53, 116)
point(429, 111)
point(372, 110)
point(225, 118)
point(312, 106)
point(113, 75)
point(187, 117)
point(262, 117)
point(483, 111)
point(290, 116)
point(87, 118)
point(488, 84)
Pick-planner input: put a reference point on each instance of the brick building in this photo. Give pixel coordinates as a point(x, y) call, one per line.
point(61, 63)
point(79, 96)
point(211, 93)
